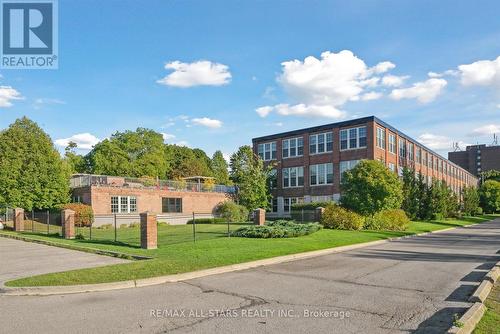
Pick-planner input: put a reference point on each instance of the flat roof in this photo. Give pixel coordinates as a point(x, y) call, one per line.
point(352, 122)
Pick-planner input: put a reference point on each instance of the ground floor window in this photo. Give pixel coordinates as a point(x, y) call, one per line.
point(171, 204)
point(289, 201)
point(123, 204)
point(273, 207)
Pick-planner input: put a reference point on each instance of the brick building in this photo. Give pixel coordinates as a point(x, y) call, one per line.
point(310, 162)
point(173, 201)
point(477, 158)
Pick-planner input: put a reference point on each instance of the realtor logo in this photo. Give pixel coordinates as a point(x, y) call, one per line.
point(29, 34)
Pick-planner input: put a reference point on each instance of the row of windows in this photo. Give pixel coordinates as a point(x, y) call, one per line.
point(353, 138)
point(128, 204)
point(321, 174)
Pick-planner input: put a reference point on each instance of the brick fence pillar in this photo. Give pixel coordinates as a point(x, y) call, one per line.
point(259, 216)
point(318, 213)
point(68, 223)
point(149, 231)
point(18, 219)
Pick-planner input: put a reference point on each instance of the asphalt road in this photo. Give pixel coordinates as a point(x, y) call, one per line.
point(411, 285)
point(20, 259)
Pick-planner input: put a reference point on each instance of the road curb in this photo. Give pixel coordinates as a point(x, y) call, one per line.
point(482, 292)
point(492, 275)
point(71, 289)
point(469, 320)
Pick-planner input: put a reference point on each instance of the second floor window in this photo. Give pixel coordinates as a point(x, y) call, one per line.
point(353, 138)
point(392, 143)
point(267, 151)
point(347, 165)
point(410, 151)
point(293, 147)
point(321, 143)
point(293, 177)
point(381, 138)
point(321, 174)
point(418, 155)
point(402, 148)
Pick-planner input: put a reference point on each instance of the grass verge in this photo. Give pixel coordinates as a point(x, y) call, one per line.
point(490, 323)
point(174, 257)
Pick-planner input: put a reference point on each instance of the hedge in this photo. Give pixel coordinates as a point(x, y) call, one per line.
point(394, 220)
point(310, 206)
point(208, 221)
point(277, 229)
point(336, 217)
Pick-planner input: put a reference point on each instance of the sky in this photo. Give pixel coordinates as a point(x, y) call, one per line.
point(215, 74)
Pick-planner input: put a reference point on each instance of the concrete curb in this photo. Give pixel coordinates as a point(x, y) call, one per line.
point(482, 292)
point(70, 289)
point(492, 275)
point(469, 320)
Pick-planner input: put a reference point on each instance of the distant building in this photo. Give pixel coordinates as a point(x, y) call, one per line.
point(173, 201)
point(477, 158)
point(310, 162)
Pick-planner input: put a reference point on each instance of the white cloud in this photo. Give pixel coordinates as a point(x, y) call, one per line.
point(199, 73)
point(39, 103)
point(486, 130)
point(167, 136)
point(84, 141)
point(319, 87)
point(498, 106)
point(442, 74)
point(439, 142)
point(481, 73)
point(424, 92)
point(264, 111)
point(7, 95)
point(394, 80)
point(208, 122)
point(371, 96)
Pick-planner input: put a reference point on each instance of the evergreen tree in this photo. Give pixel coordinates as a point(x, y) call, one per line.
point(411, 195)
point(470, 200)
point(220, 168)
point(32, 172)
point(250, 176)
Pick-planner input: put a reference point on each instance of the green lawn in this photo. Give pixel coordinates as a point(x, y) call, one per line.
point(177, 253)
point(490, 323)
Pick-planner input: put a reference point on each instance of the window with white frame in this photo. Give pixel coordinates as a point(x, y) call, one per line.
point(293, 177)
point(392, 167)
point(353, 138)
point(289, 201)
point(347, 165)
point(123, 204)
point(402, 148)
point(321, 174)
point(267, 151)
point(381, 138)
point(321, 143)
point(273, 178)
point(418, 155)
point(410, 150)
point(392, 143)
point(325, 198)
point(293, 147)
point(273, 205)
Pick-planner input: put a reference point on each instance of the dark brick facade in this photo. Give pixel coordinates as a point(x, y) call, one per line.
point(477, 158)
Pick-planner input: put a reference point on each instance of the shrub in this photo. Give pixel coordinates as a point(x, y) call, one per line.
point(123, 225)
point(84, 215)
point(105, 226)
point(208, 221)
point(479, 211)
point(337, 217)
point(232, 212)
point(131, 225)
point(277, 229)
point(79, 236)
point(394, 220)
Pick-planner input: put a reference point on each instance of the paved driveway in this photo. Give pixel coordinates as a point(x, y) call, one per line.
point(21, 259)
point(412, 285)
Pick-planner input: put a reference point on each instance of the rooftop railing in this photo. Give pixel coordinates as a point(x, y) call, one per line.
point(85, 180)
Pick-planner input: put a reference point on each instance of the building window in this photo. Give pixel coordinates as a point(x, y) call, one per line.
point(347, 165)
point(392, 167)
point(293, 177)
point(293, 147)
point(289, 201)
point(273, 178)
point(123, 204)
point(402, 148)
point(410, 150)
point(321, 143)
point(353, 138)
point(419, 155)
point(273, 207)
point(321, 174)
point(171, 204)
point(381, 138)
point(267, 151)
point(392, 143)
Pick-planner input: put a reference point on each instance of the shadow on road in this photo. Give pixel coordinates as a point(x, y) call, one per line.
point(440, 322)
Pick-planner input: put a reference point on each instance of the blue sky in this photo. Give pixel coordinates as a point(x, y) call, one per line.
point(227, 59)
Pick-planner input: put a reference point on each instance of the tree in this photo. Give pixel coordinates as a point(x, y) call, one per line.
point(411, 195)
point(490, 175)
point(250, 176)
point(490, 196)
point(76, 163)
point(220, 168)
point(185, 162)
point(370, 187)
point(470, 200)
point(424, 195)
point(32, 172)
point(131, 153)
